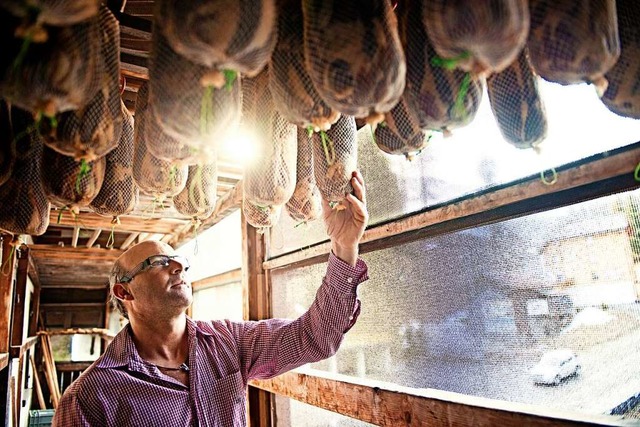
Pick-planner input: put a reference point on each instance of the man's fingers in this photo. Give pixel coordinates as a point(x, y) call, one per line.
point(357, 206)
point(357, 183)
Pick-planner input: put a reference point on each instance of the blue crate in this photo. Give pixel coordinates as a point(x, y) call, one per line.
point(41, 417)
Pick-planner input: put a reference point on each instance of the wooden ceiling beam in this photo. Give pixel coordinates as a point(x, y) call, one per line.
point(92, 221)
point(76, 235)
point(134, 25)
point(94, 237)
point(128, 241)
point(55, 252)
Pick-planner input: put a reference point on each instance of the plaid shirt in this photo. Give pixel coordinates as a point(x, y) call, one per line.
point(122, 389)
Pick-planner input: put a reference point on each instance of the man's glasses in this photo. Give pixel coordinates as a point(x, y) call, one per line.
point(155, 261)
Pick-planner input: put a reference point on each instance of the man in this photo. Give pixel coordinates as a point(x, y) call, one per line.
point(164, 369)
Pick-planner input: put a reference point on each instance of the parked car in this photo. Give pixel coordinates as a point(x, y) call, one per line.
point(554, 366)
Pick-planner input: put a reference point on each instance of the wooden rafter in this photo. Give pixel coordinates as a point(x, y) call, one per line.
point(128, 223)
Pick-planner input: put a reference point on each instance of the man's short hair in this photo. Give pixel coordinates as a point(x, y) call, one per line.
point(117, 271)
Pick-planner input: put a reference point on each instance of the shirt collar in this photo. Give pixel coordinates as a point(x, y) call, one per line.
point(123, 352)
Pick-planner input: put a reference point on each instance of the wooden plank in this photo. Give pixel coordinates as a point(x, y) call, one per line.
point(72, 366)
point(33, 271)
point(36, 383)
point(620, 163)
point(50, 370)
point(378, 404)
point(128, 241)
point(128, 223)
point(76, 235)
point(255, 285)
point(218, 279)
point(55, 252)
point(19, 351)
point(134, 26)
point(225, 204)
point(94, 237)
point(35, 307)
point(19, 297)
point(6, 292)
point(135, 74)
point(4, 360)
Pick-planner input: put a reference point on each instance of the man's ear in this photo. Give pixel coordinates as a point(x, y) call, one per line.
point(121, 292)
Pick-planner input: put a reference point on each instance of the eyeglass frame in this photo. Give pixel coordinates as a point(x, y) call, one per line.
point(144, 265)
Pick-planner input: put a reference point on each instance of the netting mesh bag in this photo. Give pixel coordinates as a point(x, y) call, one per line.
point(353, 55)
point(52, 12)
point(119, 193)
point(400, 133)
point(58, 73)
point(260, 217)
point(198, 198)
point(166, 147)
point(187, 100)
point(155, 177)
point(7, 143)
point(480, 37)
point(293, 92)
point(443, 98)
point(517, 105)
point(24, 208)
point(270, 178)
point(623, 94)
point(335, 157)
point(306, 203)
point(237, 35)
point(93, 130)
point(574, 42)
point(69, 183)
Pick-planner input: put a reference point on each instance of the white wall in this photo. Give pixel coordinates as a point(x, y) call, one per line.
point(218, 249)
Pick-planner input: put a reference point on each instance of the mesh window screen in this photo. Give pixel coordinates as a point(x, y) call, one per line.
point(484, 311)
point(290, 412)
point(474, 158)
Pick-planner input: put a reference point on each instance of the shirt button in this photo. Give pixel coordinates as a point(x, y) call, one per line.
point(349, 279)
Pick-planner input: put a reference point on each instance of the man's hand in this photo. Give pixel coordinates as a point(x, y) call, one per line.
point(345, 227)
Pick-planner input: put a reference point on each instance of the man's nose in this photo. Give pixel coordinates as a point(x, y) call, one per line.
point(175, 266)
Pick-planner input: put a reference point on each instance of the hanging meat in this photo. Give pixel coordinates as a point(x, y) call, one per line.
point(237, 35)
point(198, 198)
point(441, 98)
point(517, 105)
point(574, 42)
point(306, 203)
point(93, 130)
point(335, 157)
point(186, 102)
point(479, 37)
point(69, 183)
point(46, 76)
point(24, 208)
point(156, 177)
point(119, 193)
point(270, 178)
point(353, 55)
point(52, 12)
point(260, 217)
point(293, 92)
point(623, 92)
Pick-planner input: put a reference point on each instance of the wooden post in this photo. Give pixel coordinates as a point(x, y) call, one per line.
point(6, 292)
point(257, 306)
point(36, 382)
point(19, 297)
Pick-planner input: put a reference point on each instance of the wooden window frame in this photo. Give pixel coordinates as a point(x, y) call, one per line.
point(597, 176)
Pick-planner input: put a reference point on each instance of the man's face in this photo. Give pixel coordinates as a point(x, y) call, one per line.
point(157, 289)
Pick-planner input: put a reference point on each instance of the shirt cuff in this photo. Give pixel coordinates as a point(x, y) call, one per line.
point(344, 277)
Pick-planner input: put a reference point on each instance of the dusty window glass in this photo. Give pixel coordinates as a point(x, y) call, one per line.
point(292, 413)
point(61, 347)
point(218, 302)
point(542, 309)
point(474, 158)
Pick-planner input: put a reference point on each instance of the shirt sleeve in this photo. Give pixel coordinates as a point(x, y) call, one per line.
point(70, 413)
point(274, 346)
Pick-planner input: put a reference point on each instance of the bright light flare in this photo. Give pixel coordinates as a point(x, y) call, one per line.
point(241, 147)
